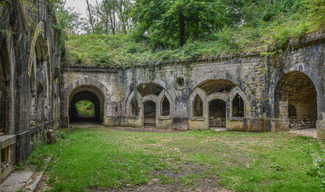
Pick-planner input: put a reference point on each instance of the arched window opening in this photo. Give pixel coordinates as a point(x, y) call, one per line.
point(197, 106)
point(85, 109)
point(4, 89)
point(40, 103)
point(165, 107)
point(149, 114)
point(292, 112)
point(134, 107)
point(217, 113)
point(238, 106)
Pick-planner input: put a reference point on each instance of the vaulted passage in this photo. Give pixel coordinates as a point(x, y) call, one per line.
point(217, 113)
point(149, 113)
point(296, 100)
point(86, 104)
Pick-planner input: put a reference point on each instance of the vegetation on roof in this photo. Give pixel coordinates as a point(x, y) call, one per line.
point(262, 27)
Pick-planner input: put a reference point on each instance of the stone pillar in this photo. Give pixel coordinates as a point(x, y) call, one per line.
point(283, 122)
point(320, 125)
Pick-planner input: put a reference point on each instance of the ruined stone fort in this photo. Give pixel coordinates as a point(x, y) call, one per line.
point(240, 92)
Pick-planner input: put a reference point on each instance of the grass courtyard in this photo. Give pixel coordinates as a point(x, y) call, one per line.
point(104, 159)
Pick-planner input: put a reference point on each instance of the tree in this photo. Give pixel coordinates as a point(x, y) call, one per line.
point(90, 16)
point(178, 20)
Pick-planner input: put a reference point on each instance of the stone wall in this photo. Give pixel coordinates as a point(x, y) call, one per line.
point(256, 91)
point(29, 88)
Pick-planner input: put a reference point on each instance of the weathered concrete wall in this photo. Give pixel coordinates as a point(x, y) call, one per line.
point(29, 86)
point(256, 90)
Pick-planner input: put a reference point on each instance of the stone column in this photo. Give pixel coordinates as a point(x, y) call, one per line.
point(283, 122)
point(320, 125)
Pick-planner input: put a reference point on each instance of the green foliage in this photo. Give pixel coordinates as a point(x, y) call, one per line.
point(85, 108)
point(317, 169)
point(67, 20)
point(165, 20)
point(252, 26)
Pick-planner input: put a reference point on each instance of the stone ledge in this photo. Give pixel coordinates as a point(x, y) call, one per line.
point(197, 118)
point(7, 140)
point(164, 118)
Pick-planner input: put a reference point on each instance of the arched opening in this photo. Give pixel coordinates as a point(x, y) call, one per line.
point(292, 112)
point(165, 107)
point(238, 106)
point(149, 89)
point(296, 100)
point(197, 106)
point(214, 86)
point(217, 113)
point(85, 109)
point(134, 107)
point(149, 114)
point(86, 104)
point(4, 89)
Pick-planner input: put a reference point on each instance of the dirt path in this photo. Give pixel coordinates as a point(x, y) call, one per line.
point(306, 132)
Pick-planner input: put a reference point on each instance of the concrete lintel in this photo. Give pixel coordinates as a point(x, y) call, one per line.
point(7, 140)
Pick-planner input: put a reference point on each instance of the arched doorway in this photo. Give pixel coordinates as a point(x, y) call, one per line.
point(86, 104)
point(149, 109)
point(217, 113)
point(296, 100)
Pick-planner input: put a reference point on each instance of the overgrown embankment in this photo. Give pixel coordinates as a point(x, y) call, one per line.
point(263, 30)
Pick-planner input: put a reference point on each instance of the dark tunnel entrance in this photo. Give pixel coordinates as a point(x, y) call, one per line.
point(149, 114)
point(217, 113)
point(86, 105)
point(80, 103)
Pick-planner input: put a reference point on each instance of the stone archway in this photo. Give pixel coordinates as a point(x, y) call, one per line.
point(295, 104)
point(89, 93)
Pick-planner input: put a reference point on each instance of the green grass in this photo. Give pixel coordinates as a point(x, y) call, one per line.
point(101, 158)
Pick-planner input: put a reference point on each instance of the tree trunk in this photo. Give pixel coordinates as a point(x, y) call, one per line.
point(121, 4)
point(90, 17)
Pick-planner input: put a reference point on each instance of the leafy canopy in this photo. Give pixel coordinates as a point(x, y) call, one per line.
point(171, 22)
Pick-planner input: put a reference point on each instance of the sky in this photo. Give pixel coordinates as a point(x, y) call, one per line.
point(80, 6)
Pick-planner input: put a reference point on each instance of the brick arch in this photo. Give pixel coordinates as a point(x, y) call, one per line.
point(226, 77)
point(94, 86)
point(203, 96)
point(128, 108)
point(237, 91)
point(316, 79)
point(162, 95)
point(220, 96)
point(130, 94)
